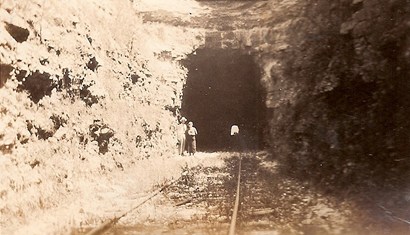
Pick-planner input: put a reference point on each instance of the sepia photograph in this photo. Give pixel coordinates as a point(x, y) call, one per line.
point(206, 117)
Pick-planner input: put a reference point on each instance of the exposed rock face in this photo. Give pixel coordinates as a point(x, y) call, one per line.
point(334, 73)
point(340, 95)
point(86, 88)
point(335, 76)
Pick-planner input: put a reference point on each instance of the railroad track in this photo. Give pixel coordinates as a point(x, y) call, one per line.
point(236, 195)
point(233, 195)
point(250, 197)
point(243, 196)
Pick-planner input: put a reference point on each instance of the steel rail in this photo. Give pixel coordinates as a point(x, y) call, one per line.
point(236, 206)
point(101, 229)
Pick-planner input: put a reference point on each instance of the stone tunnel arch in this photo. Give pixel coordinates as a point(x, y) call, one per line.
point(223, 88)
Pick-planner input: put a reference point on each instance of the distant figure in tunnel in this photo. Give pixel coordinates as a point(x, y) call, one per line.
point(235, 138)
point(234, 130)
point(181, 137)
point(191, 138)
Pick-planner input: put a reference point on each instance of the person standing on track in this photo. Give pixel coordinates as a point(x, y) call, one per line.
point(191, 138)
point(181, 137)
point(235, 143)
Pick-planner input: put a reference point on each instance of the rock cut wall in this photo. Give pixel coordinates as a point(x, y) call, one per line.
point(86, 88)
point(340, 93)
point(335, 76)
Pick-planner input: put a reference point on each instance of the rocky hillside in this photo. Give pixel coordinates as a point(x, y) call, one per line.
point(341, 99)
point(334, 75)
point(86, 88)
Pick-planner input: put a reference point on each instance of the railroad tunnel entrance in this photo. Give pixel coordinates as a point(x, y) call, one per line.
point(222, 89)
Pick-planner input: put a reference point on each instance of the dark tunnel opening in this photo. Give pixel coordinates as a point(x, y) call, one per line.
point(223, 89)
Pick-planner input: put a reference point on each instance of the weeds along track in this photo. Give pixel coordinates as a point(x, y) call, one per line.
point(216, 190)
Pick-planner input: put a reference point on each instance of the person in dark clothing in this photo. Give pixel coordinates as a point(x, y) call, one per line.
point(191, 138)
